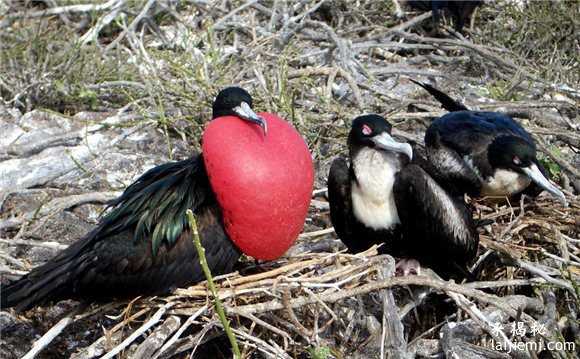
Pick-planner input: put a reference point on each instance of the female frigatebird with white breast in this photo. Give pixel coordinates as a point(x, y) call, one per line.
point(250, 191)
point(483, 153)
point(381, 197)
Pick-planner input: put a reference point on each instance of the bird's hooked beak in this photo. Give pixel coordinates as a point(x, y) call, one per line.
point(387, 143)
point(245, 112)
point(536, 175)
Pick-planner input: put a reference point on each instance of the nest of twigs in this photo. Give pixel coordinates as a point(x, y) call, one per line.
point(342, 305)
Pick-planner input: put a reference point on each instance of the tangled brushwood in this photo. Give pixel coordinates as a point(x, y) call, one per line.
point(93, 95)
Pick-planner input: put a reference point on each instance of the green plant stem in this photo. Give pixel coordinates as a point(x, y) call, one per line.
point(207, 272)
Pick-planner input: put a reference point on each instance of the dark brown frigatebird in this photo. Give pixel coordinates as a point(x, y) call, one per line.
point(249, 190)
point(483, 153)
point(380, 196)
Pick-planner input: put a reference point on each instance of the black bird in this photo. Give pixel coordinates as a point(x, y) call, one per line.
point(460, 11)
point(483, 153)
point(384, 198)
point(144, 244)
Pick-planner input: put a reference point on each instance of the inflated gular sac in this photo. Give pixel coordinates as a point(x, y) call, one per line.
point(263, 182)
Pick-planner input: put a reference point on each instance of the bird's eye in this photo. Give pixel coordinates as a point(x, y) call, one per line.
point(366, 130)
point(517, 161)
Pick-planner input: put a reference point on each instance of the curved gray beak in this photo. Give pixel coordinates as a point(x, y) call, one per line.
point(536, 175)
point(386, 142)
point(245, 112)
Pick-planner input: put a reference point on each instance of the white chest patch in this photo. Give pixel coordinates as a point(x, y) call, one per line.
point(505, 183)
point(372, 196)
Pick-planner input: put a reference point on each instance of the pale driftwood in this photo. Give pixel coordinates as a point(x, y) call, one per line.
point(156, 339)
point(93, 33)
point(318, 233)
point(53, 162)
point(62, 10)
point(137, 333)
point(56, 205)
point(180, 331)
point(478, 317)
point(401, 27)
point(48, 337)
point(26, 242)
point(393, 343)
point(13, 273)
point(98, 347)
point(87, 38)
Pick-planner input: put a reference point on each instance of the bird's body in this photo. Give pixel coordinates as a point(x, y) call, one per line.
point(460, 11)
point(382, 198)
point(144, 246)
point(483, 153)
point(350, 200)
point(371, 197)
point(459, 142)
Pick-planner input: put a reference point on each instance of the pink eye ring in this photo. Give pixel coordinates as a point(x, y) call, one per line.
point(366, 130)
point(517, 161)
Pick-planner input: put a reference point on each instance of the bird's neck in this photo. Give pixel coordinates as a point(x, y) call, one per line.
point(372, 188)
point(505, 182)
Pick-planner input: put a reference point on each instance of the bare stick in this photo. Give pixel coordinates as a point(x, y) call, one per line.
point(157, 338)
point(61, 10)
point(180, 331)
point(48, 337)
point(318, 233)
point(136, 334)
point(25, 242)
point(477, 316)
point(133, 24)
point(233, 12)
point(93, 33)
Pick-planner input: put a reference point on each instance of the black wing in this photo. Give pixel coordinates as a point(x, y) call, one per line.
point(464, 130)
point(339, 197)
point(438, 229)
point(448, 165)
point(458, 142)
point(143, 246)
point(471, 131)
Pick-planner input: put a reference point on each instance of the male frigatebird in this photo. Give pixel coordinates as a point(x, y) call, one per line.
point(381, 197)
point(483, 153)
point(250, 192)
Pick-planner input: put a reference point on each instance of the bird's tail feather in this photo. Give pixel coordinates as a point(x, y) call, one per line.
point(29, 291)
point(45, 283)
point(446, 101)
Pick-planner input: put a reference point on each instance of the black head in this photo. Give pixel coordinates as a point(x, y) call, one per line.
point(511, 152)
point(375, 132)
point(518, 155)
point(235, 101)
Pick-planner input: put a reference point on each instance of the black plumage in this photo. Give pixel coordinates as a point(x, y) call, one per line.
point(381, 197)
point(460, 11)
point(483, 153)
point(144, 244)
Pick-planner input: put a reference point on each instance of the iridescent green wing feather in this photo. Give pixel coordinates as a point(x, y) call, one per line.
point(154, 206)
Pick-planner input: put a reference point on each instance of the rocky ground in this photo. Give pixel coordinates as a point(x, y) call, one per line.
point(91, 97)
